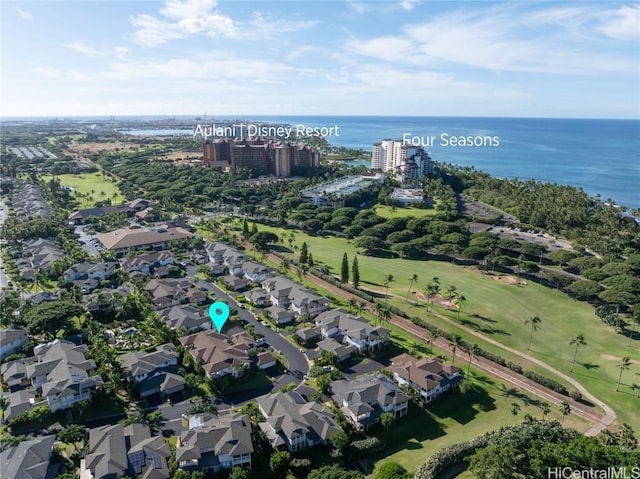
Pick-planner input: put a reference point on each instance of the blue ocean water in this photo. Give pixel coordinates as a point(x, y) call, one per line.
point(600, 156)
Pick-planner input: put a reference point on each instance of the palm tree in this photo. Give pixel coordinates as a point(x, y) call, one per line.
point(352, 304)
point(451, 291)
point(534, 321)
point(515, 408)
point(565, 409)
point(472, 352)
point(635, 318)
point(361, 306)
point(545, 409)
point(578, 341)
point(429, 291)
point(387, 280)
point(378, 309)
point(623, 366)
point(413, 279)
point(455, 343)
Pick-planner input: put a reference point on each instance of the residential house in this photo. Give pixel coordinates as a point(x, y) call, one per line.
point(139, 365)
point(219, 354)
point(281, 315)
point(309, 335)
point(341, 351)
point(125, 451)
point(97, 271)
point(256, 272)
point(16, 403)
point(352, 330)
point(29, 459)
point(295, 424)
point(145, 263)
point(14, 373)
point(429, 377)
point(225, 255)
point(236, 283)
point(258, 297)
point(185, 316)
point(213, 443)
point(11, 341)
point(166, 293)
point(364, 399)
point(266, 360)
point(291, 295)
point(59, 371)
point(163, 383)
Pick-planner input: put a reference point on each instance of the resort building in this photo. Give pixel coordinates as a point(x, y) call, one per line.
point(429, 377)
point(402, 160)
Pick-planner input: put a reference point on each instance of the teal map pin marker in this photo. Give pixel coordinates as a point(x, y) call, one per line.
point(219, 313)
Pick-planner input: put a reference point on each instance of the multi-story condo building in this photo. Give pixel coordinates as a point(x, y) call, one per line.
point(400, 159)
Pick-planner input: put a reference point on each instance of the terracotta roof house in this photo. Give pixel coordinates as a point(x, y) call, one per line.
point(29, 459)
point(363, 400)
point(125, 451)
point(213, 443)
point(295, 424)
point(220, 354)
point(427, 376)
point(121, 240)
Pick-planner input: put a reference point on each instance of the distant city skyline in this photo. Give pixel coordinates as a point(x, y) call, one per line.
point(415, 58)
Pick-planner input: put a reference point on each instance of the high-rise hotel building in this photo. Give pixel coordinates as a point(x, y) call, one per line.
point(260, 155)
point(400, 159)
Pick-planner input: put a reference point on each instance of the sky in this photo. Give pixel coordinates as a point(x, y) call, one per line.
point(424, 58)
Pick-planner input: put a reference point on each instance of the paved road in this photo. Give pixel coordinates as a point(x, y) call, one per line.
point(4, 279)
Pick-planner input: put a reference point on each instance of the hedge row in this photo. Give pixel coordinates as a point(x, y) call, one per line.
point(518, 436)
point(538, 378)
point(366, 447)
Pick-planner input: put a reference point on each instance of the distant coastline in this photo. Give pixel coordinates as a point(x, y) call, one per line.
point(599, 156)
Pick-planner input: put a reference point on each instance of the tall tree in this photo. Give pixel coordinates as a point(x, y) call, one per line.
point(413, 279)
point(388, 279)
point(355, 273)
point(623, 366)
point(533, 322)
point(545, 409)
point(495, 462)
point(344, 269)
point(304, 253)
point(577, 341)
point(456, 342)
point(310, 261)
point(565, 409)
point(461, 299)
point(472, 352)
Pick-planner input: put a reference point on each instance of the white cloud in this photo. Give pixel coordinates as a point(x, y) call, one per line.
point(80, 46)
point(181, 19)
point(409, 5)
point(503, 40)
point(393, 49)
point(24, 14)
point(121, 52)
point(623, 24)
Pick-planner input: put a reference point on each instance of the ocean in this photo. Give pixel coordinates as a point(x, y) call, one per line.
point(600, 156)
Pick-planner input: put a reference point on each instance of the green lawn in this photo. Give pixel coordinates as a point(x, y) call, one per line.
point(501, 310)
point(93, 184)
point(400, 212)
point(457, 418)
